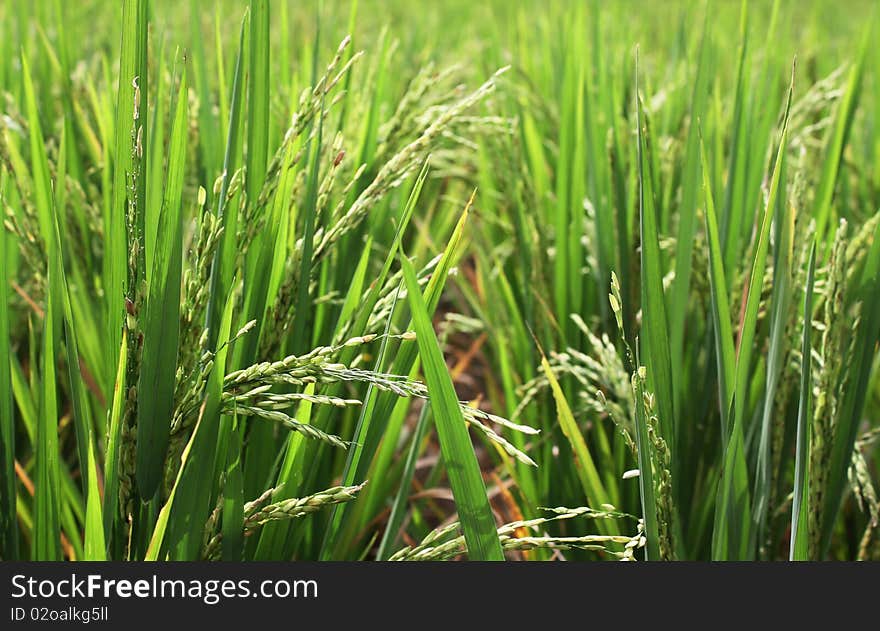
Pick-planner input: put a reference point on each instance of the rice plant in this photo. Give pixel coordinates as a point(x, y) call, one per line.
point(524, 281)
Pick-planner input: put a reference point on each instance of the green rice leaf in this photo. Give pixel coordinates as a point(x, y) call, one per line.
point(8, 522)
point(114, 436)
point(594, 491)
point(655, 332)
point(837, 135)
point(800, 508)
point(732, 535)
point(162, 326)
point(722, 330)
point(468, 489)
point(95, 545)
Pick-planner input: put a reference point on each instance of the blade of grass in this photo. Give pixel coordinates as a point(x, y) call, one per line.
point(47, 484)
point(57, 286)
point(723, 332)
point(290, 480)
point(398, 508)
point(734, 202)
point(190, 502)
point(800, 539)
point(732, 534)
point(221, 274)
point(233, 496)
point(353, 460)
point(47, 500)
point(82, 416)
point(8, 522)
point(95, 547)
point(594, 490)
point(354, 453)
point(258, 99)
point(111, 461)
point(157, 539)
point(155, 167)
point(132, 73)
point(655, 332)
point(407, 355)
point(468, 488)
point(678, 297)
point(274, 539)
point(156, 381)
point(301, 314)
point(837, 136)
point(779, 308)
